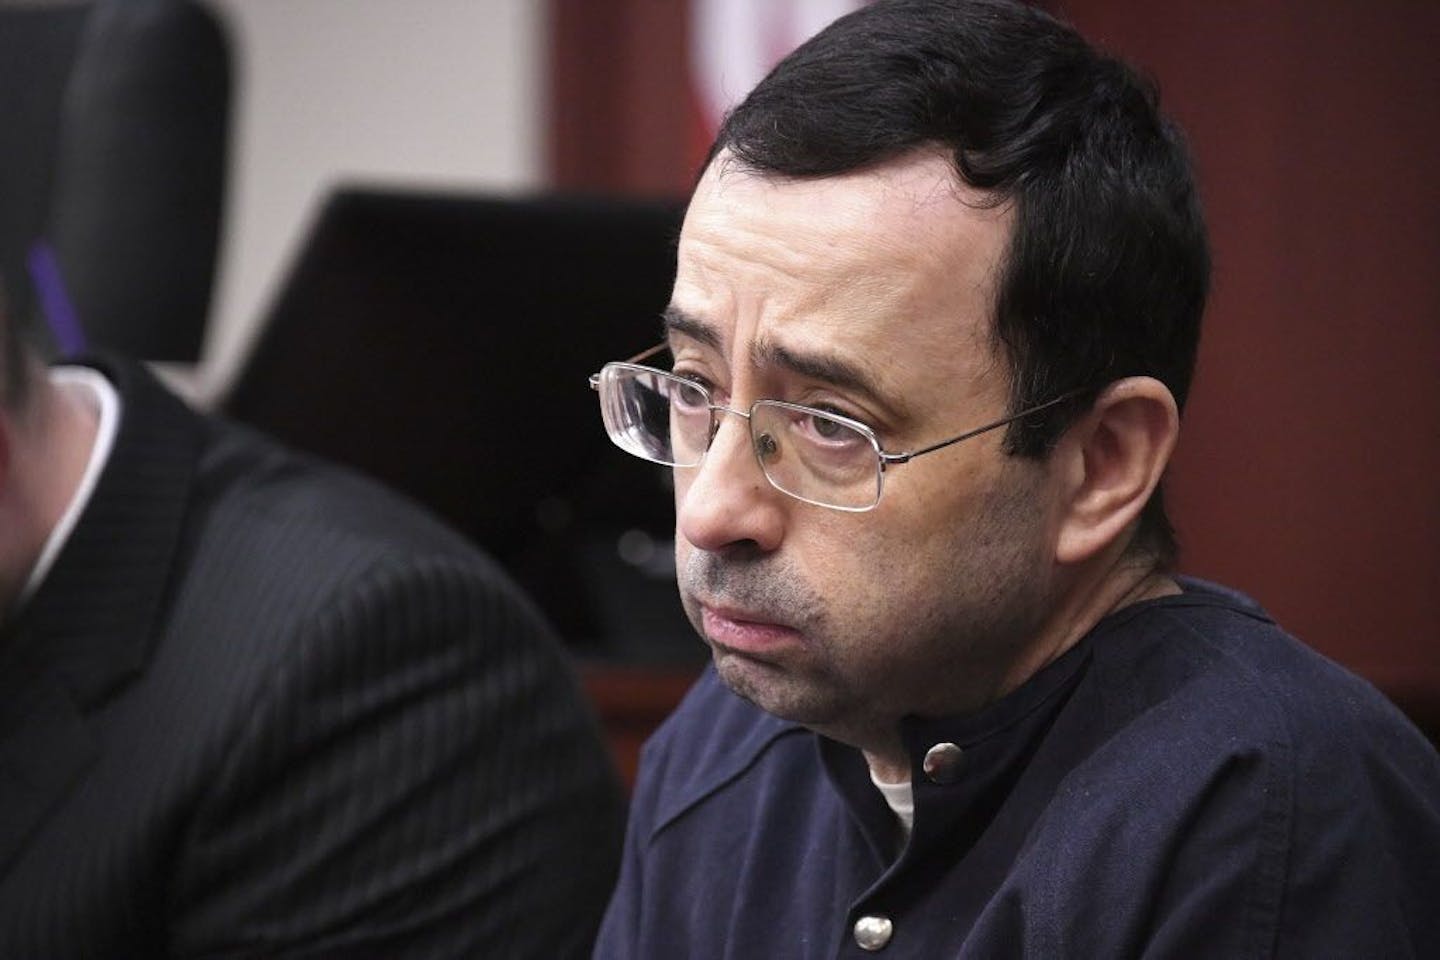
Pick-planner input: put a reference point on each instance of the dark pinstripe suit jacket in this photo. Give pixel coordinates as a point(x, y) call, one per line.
point(263, 708)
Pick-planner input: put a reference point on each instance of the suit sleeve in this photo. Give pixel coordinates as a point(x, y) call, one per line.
point(419, 777)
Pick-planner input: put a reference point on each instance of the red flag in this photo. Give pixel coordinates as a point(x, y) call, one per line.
point(734, 43)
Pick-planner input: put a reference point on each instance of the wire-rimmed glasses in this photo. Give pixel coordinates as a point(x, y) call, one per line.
point(817, 456)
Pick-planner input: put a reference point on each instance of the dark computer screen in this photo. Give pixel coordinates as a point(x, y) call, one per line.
point(442, 343)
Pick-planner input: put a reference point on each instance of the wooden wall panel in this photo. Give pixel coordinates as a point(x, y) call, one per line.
point(1309, 468)
point(619, 97)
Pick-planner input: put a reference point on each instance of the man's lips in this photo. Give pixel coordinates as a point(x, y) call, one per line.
point(744, 632)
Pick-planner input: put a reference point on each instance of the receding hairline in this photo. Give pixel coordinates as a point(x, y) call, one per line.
point(999, 203)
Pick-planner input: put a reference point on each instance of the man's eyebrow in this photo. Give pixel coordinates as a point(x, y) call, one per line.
point(826, 368)
point(675, 320)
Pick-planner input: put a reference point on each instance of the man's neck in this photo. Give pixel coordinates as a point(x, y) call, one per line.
point(1109, 583)
point(51, 440)
point(1113, 582)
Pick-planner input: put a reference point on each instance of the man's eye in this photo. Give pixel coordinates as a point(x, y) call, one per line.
point(829, 429)
point(687, 392)
point(832, 432)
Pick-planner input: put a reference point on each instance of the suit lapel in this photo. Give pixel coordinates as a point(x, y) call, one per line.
point(90, 627)
point(45, 746)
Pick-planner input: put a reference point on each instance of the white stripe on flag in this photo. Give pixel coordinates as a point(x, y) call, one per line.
point(734, 43)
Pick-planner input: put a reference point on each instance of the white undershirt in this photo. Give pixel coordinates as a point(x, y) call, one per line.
point(901, 799)
point(91, 388)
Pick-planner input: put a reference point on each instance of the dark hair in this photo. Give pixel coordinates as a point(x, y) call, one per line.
point(21, 345)
point(1108, 266)
point(12, 358)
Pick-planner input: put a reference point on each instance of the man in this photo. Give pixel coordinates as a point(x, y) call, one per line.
point(253, 705)
point(935, 314)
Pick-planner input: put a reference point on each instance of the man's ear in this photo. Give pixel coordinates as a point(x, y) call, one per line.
point(1110, 461)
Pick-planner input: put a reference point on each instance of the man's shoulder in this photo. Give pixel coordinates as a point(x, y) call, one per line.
point(306, 500)
point(274, 553)
point(247, 493)
point(1206, 683)
point(319, 544)
point(1208, 746)
point(1216, 650)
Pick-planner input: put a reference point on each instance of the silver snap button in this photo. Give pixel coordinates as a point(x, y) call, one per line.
point(942, 763)
point(873, 932)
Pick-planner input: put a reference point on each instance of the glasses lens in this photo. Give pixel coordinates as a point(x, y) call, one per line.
point(816, 457)
point(654, 415)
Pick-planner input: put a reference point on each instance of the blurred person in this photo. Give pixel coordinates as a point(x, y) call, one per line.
point(254, 705)
point(936, 310)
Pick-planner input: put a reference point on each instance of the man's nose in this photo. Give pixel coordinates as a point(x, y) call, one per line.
point(726, 501)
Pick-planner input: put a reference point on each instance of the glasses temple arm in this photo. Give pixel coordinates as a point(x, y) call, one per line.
point(642, 355)
point(889, 458)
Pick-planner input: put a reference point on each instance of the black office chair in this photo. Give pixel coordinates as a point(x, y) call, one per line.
point(37, 49)
point(442, 344)
point(136, 210)
point(112, 170)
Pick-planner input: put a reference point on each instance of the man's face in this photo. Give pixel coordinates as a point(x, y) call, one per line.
point(869, 294)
